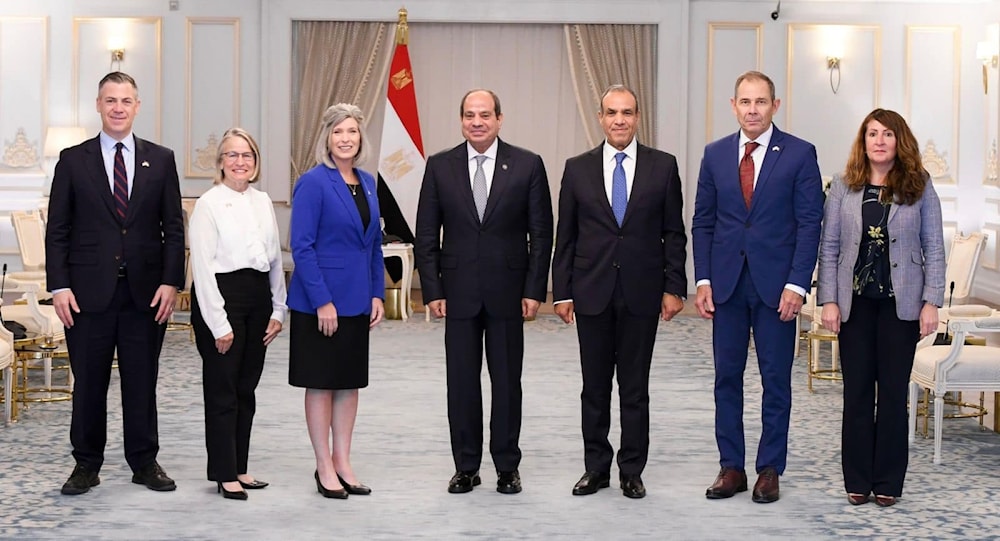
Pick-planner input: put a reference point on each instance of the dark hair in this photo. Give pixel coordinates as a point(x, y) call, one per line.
point(618, 88)
point(119, 77)
point(496, 101)
point(753, 76)
point(907, 178)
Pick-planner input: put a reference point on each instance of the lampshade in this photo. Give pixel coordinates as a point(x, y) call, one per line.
point(985, 51)
point(59, 137)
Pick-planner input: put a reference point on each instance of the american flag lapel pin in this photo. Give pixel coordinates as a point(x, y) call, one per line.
point(146, 164)
point(775, 148)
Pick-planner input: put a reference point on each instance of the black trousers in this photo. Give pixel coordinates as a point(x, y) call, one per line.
point(229, 380)
point(463, 344)
point(616, 341)
point(876, 351)
point(92, 342)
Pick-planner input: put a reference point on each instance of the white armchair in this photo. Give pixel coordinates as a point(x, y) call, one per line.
point(30, 232)
point(963, 260)
point(957, 367)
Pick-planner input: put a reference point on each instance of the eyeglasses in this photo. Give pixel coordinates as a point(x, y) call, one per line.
point(233, 156)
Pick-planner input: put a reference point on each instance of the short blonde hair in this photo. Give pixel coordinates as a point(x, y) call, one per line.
point(242, 134)
point(334, 115)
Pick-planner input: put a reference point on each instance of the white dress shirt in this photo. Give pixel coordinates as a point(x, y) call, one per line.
point(489, 164)
point(229, 231)
point(128, 155)
point(628, 164)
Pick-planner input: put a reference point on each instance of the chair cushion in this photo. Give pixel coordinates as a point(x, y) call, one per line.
point(975, 363)
point(22, 314)
point(968, 310)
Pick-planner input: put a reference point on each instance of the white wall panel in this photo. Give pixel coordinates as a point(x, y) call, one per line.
point(812, 110)
point(213, 90)
point(23, 92)
point(733, 48)
point(933, 87)
point(140, 37)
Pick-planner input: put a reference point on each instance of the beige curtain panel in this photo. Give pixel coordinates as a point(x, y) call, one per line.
point(605, 54)
point(333, 62)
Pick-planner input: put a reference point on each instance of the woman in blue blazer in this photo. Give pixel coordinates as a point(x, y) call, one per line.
point(335, 294)
point(881, 281)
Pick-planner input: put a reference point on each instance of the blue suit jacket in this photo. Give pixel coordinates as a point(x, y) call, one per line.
point(336, 260)
point(777, 237)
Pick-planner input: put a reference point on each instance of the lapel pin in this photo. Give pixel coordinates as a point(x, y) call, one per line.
point(775, 148)
point(146, 164)
point(504, 167)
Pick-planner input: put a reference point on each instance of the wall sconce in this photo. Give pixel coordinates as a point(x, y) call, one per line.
point(833, 64)
point(116, 45)
point(986, 53)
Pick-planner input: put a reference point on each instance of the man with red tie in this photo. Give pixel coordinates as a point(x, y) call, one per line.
point(114, 249)
point(755, 233)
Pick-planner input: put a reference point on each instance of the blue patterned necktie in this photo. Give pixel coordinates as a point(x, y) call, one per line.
point(121, 183)
point(619, 193)
point(479, 194)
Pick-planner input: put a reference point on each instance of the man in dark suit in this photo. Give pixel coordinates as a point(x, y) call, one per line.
point(492, 201)
point(618, 264)
point(755, 233)
point(114, 251)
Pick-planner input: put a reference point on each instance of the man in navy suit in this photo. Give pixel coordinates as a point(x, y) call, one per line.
point(114, 249)
point(755, 232)
point(491, 200)
point(618, 264)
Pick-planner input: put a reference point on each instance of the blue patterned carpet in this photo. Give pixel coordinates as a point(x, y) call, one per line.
point(401, 450)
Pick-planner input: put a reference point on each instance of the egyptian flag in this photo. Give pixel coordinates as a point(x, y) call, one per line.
point(401, 157)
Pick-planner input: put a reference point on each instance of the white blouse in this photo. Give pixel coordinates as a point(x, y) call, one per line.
point(229, 231)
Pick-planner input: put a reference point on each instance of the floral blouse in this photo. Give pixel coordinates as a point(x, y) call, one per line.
point(871, 272)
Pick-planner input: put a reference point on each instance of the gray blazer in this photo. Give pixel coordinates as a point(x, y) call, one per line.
point(916, 251)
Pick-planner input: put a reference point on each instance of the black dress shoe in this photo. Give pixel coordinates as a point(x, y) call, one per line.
point(508, 482)
point(153, 476)
point(591, 482)
point(255, 484)
point(765, 490)
point(463, 481)
point(358, 489)
point(80, 481)
point(339, 494)
point(632, 486)
point(234, 495)
point(727, 484)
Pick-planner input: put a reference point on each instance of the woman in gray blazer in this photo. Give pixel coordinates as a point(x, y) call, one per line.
point(881, 281)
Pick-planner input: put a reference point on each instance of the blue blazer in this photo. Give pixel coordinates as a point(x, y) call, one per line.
point(778, 236)
point(336, 260)
point(916, 251)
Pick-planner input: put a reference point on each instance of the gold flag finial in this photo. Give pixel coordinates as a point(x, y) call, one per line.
point(402, 30)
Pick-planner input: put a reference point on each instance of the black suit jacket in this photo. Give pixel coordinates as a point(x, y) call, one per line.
point(649, 249)
point(495, 263)
point(86, 242)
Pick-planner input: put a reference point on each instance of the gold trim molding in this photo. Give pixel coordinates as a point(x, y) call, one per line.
point(19, 153)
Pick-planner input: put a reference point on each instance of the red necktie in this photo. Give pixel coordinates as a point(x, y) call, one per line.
point(746, 172)
point(121, 183)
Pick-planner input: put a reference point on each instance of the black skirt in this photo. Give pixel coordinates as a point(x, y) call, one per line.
point(340, 361)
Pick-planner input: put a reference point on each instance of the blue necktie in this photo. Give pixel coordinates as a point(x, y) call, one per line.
point(121, 183)
point(619, 193)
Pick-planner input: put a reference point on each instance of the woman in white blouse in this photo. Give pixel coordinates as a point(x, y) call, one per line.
point(238, 305)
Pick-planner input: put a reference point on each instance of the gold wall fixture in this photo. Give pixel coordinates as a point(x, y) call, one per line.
point(833, 64)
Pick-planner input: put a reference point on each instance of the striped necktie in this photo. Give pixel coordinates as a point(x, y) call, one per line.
point(121, 183)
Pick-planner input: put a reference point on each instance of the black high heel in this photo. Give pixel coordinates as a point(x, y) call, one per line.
point(358, 489)
point(255, 484)
point(339, 494)
point(235, 495)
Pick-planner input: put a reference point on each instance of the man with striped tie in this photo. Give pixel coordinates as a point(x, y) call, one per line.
point(618, 264)
point(114, 249)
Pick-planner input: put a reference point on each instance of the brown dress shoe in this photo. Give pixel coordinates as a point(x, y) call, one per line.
point(856, 498)
point(727, 484)
point(885, 501)
point(766, 488)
